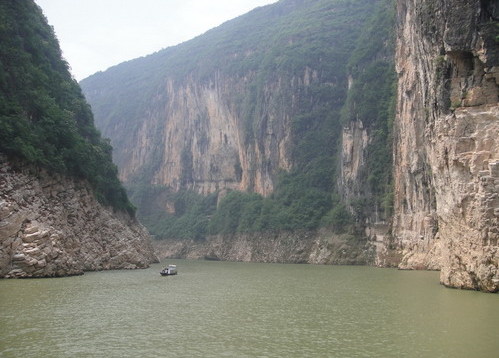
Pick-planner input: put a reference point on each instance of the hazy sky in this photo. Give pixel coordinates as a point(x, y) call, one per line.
point(97, 34)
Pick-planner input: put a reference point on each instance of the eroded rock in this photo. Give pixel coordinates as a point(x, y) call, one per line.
point(447, 143)
point(53, 226)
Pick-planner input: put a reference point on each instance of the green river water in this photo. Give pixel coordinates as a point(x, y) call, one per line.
point(223, 309)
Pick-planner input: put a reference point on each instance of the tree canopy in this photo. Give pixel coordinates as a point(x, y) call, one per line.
point(44, 117)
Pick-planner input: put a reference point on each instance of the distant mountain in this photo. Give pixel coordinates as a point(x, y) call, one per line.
point(255, 106)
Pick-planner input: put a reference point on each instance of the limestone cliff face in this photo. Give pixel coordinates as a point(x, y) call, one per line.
point(355, 140)
point(365, 180)
point(446, 156)
point(53, 226)
point(226, 110)
point(312, 247)
point(196, 134)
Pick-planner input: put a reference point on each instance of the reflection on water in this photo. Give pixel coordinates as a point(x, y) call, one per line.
point(222, 309)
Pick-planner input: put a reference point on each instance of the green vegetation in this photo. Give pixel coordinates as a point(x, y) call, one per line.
point(371, 100)
point(194, 216)
point(44, 118)
point(192, 211)
point(330, 39)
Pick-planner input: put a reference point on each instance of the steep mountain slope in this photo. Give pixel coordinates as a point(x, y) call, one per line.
point(446, 146)
point(56, 172)
point(253, 105)
point(217, 112)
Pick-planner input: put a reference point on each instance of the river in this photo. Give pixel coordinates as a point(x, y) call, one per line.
point(224, 309)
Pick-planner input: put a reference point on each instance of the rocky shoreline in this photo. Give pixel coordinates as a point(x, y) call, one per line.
point(313, 247)
point(53, 226)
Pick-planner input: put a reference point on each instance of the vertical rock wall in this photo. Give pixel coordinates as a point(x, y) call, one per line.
point(197, 136)
point(203, 140)
point(53, 226)
point(446, 156)
point(355, 140)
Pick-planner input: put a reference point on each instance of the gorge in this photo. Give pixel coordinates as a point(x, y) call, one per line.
point(306, 131)
point(294, 107)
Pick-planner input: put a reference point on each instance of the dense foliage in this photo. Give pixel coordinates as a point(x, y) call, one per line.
point(44, 118)
point(333, 38)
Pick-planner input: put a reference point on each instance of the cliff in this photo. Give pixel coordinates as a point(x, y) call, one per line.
point(365, 181)
point(446, 151)
point(228, 110)
point(51, 225)
point(193, 137)
point(62, 208)
point(320, 247)
point(253, 106)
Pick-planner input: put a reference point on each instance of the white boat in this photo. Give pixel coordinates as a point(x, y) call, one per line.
point(169, 270)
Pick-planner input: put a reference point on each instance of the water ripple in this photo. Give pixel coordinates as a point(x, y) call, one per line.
point(216, 309)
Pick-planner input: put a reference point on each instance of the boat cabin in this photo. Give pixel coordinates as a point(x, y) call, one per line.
point(169, 270)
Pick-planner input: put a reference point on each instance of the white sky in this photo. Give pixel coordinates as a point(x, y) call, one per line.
point(97, 34)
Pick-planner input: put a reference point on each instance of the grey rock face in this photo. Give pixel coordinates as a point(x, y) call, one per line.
point(53, 226)
point(446, 143)
point(313, 247)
